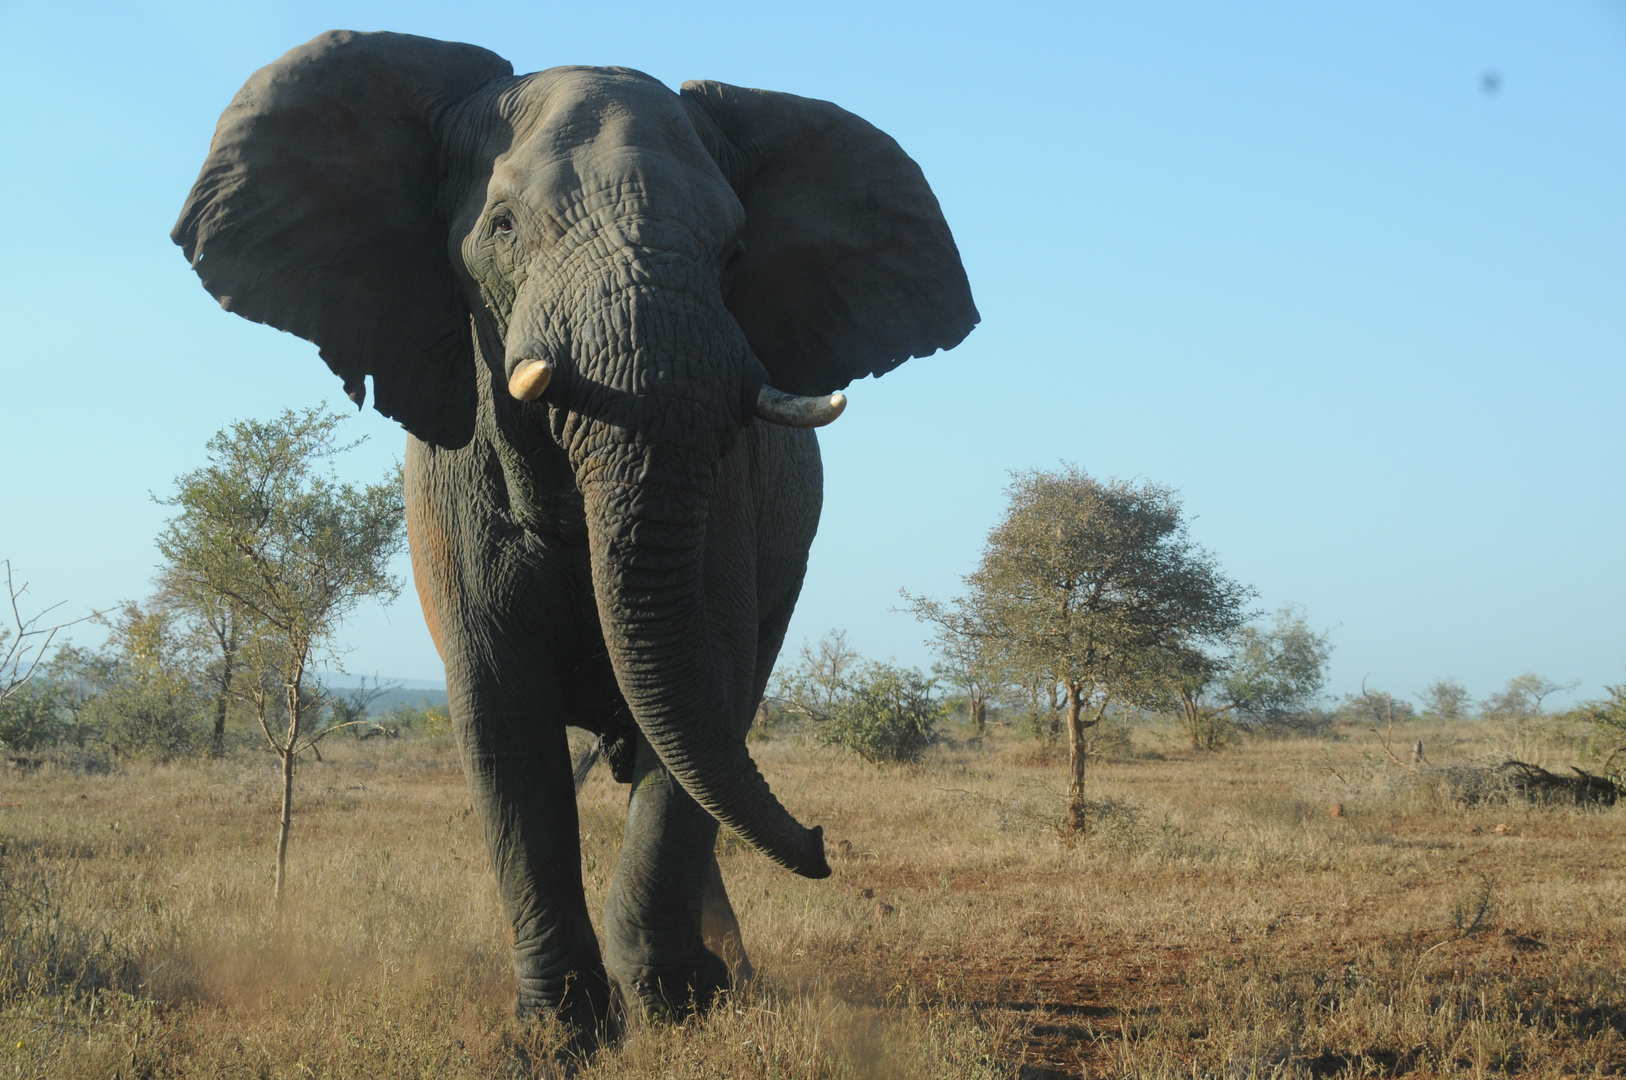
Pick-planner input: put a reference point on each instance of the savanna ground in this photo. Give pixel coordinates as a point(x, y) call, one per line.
point(1217, 921)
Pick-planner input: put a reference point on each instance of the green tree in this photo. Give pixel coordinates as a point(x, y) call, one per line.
point(1189, 679)
point(268, 529)
point(1037, 694)
point(1095, 583)
point(149, 704)
point(1524, 696)
point(32, 717)
point(965, 640)
point(883, 714)
point(1446, 699)
point(818, 681)
point(1375, 706)
point(1276, 673)
point(77, 676)
point(1609, 715)
point(215, 628)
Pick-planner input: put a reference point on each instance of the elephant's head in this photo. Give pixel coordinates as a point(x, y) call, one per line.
point(647, 272)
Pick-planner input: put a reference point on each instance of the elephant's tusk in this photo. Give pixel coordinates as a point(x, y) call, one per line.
point(530, 379)
point(793, 410)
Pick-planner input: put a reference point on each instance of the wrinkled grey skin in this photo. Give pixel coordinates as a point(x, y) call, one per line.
point(624, 553)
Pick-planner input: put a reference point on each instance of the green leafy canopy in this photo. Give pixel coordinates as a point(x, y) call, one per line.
point(267, 527)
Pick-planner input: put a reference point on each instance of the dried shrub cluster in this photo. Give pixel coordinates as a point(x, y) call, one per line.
point(1532, 783)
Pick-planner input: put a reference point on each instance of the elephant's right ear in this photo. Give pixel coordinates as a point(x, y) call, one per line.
point(316, 212)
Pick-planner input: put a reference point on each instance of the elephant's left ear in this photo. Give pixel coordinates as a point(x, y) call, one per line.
point(849, 268)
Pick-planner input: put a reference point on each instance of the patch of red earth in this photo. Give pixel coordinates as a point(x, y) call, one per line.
point(859, 876)
point(1075, 997)
point(1071, 998)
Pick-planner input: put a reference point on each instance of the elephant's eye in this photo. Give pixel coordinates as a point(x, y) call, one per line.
point(502, 225)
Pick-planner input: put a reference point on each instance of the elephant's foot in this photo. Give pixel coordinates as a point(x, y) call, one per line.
point(720, 929)
point(672, 994)
point(580, 1002)
point(740, 969)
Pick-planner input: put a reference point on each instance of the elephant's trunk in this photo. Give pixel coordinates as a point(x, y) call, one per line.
point(646, 515)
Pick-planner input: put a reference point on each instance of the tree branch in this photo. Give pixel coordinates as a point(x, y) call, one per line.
point(24, 654)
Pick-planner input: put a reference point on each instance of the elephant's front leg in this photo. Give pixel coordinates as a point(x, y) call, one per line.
point(654, 945)
point(517, 759)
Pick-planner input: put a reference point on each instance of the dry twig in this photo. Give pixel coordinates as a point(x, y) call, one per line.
point(24, 645)
point(1467, 917)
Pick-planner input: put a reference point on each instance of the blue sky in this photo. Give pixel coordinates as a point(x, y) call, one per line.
point(1296, 261)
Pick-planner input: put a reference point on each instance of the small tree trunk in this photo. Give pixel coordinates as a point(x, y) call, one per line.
point(287, 753)
point(222, 701)
point(1194, 719)
point(1055, 711)
point(219, 747)
point(1075, 759)
point(228, 665)
point(287, 758)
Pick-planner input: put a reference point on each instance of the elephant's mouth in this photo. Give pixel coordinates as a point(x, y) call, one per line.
point(529, 378)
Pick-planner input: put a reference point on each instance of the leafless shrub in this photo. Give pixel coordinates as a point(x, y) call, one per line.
point(27, 641)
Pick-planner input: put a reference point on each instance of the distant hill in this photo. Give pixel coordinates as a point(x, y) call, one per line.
point(413, 693)
point(343, 680)
point(413, 699)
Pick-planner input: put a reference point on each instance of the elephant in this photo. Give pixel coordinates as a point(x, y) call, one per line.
point(608, 317)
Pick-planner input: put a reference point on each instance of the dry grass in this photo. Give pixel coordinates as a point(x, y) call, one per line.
point(1216, 922)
